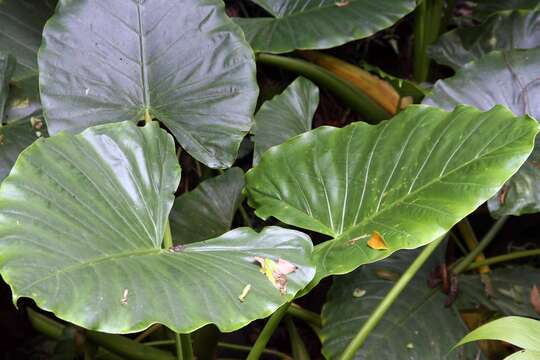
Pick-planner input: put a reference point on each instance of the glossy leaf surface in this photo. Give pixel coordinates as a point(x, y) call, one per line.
point(518, 331)
point(183, 62)
point(88, 247)
point(286, 115)
point(208, 210)
point(407, 330)
point(410, 179)
point(504, 30)
point(509, 78)
point(319, 24)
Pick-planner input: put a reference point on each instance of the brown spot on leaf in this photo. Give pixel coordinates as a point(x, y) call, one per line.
point(535, 299)
point(502, 194)
point(276, 272)
point(387, 274)
point(376, 241)
point(177, 248)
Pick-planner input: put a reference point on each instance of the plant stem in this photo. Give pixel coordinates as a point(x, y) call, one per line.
point(299, 351)
point(388, 300)
point(427, 26)
point(116, 344)
point(160, 343)
point(310, 317)
point(244, 215)
point(179, 347)
point(243, 348)
point(267, 332)
point(167, 236)
point(466, 230)
point(348, 93)
point(486, 240)
point(187, 347)
point(502, 258)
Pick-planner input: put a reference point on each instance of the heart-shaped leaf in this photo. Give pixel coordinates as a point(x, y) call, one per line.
point(207, 211)
point(406, 331)
point(510, 78)
point(183, 62)
point(410, 179)
point(505, 30)
point(286, 115)
point(319, 24)
point(81, 226)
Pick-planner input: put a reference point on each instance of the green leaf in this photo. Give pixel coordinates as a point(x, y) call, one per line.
point(14, 138)
point(183, 62)
point(410, 179)
point(519, 331)
point(509, 78)
point(524, 355)
point(510, 290)
point(21, 23)
point(485, 8)
point(321, 24)
point(81, 226)
point(207, 211)
point(7, 66)
point(285, 116)
point(407, 330)
point(504, 30)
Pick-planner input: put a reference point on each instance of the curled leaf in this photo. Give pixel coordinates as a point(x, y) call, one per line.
point(245, 291)
point(376, 241)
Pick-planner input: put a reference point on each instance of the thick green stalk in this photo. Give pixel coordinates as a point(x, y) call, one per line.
point(349, 94)
point(116, 344)
point(486, 240)
point(503, 258)
point(428, 17)
point(187, 347)
point(266, 334)
point(466, 230)
point(299, 350)
point(311, 318)
point(167, 237)
point(388, 300)
point(178, 343)
point(243, 348)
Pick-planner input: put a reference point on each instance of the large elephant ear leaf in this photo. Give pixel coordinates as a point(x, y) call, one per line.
point(88, 247)
point(207, 211)
point(299, 24)
point(183, 62)
point(399, 184)
point(510, 78)
point(286, 115)
point(505, 30)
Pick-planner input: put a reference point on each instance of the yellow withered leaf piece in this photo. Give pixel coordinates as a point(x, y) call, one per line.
point(276, 272)
point(376, 241)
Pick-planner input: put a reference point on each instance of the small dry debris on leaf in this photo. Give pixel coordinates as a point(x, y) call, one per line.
point(376, 241)
point(276, 272)
point(387, 274)
point(342, 3)
point(124, 299)
point(502, 195)
point(177, 248)
point(535, 299)
point(358, 293)
point(243, 294)
point(37, 123)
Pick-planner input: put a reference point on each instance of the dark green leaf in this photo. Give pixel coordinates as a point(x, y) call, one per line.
point(509, 292)
point(207, 211)
point(507, 30)
point(285, 116)
point(319, 24)
point(7, 66)
point(518, 331)
point(183, 62)
point(81, 226)
point(407, 330)
point(485, 8)
point(511, 78)
point(410, 179)
point(14, 138)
